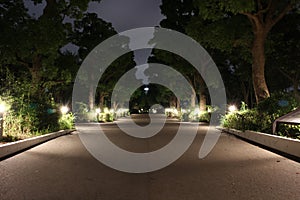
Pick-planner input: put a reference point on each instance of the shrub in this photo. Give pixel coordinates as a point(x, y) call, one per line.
point(248, 120)
point(66, 121)
point(262, 117)
point(24, 119)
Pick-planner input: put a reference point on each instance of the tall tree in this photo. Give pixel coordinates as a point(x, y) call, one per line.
point(89, 32)
point(178, 14)
point(262, 15)
point(34, 42)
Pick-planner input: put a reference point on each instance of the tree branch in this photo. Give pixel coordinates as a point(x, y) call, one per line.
point(254, 19)
point(259, 5)
point(273, 21)
point(262, 11)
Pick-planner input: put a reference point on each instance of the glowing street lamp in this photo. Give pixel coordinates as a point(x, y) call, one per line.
point(146, 89)
point(98, 110)
point(232, 108)
point(64, 109)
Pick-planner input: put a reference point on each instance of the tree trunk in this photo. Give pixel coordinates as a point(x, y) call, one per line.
point(202, 106)
point(246, 92)
point(101, 101)
point(258, 66)
point(178, 104)
point(172, 102)
point(262, 21)
point(193, 99)
point(296, 92)
point(202, 94)
point(91, 94)
point(35, 72)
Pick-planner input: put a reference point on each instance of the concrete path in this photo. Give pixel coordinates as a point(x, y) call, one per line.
point(63, 169)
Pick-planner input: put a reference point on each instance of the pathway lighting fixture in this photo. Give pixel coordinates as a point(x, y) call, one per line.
point(98, 110)
point(232, 108)
point(64, 110)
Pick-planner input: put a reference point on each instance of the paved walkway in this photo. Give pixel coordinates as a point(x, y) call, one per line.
point(63, 169)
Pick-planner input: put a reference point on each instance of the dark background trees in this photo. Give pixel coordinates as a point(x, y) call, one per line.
point(255, 45)
point(242, 34)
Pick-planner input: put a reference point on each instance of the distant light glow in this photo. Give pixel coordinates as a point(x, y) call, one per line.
point(174, 111)
point(64, 109)
point(232, 108)
point(146, 89)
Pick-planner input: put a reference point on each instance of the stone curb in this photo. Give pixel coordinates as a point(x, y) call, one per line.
point(18, 146)
point(282, 144)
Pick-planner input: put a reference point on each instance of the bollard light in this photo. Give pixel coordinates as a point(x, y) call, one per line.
point(64, 109)
point(98, 110)
point(232, 108)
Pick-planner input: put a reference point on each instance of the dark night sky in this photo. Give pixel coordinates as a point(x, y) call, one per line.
point(123, 15)
point(128, 14)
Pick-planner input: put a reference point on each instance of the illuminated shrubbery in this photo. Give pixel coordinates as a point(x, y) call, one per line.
point(24, 119)
point(262, 117)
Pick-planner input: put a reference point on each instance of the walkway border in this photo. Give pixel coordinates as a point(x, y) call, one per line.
point(287, 146)
point(12, 148)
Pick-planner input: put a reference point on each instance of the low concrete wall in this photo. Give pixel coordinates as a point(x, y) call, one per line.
point(14, 147)
point(282, 144)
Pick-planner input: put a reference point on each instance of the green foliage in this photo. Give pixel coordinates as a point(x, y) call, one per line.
point(262, 117)
point(204, 117)
point(248, 120)
point(278, 105)
point(287, 130)
point(105, 117)
point(82, 112)
point(25, 119)
point(66, 121)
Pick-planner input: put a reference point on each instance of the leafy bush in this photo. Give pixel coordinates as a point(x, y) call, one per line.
point(262, 117)
point(105, 117)
point(204, 117)
point(66, 121)
point(82, 112)
point(292, 131)
point(278, 105)
point(248, 120)
point(25, 118)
